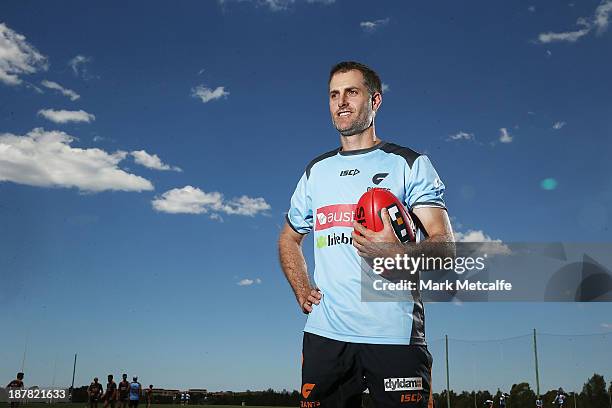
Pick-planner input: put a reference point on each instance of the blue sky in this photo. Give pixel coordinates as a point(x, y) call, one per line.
point(148, 151)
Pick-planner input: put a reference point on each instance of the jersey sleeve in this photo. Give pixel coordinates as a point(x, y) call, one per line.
point(299, 216)
point(423, 185)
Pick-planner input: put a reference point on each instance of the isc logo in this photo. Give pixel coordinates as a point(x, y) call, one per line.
point(411, 397)
point(353, 172)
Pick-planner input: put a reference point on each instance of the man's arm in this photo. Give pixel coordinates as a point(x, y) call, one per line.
point(294, 266)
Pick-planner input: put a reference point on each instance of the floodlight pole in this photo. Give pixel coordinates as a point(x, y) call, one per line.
point(447, 376)
point(73, 371)
point(535, 353)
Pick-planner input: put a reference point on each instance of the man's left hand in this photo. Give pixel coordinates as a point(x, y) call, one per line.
point(383, 243)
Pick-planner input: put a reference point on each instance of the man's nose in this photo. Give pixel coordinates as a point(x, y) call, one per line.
point(342, 101)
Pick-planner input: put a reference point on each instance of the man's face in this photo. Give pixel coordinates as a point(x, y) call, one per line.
point(350, 104)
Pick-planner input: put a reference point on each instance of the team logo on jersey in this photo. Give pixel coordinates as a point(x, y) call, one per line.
point(353, 172)
point(404, 384)
point(335, 215)
point(437, 182)
point(378, 177)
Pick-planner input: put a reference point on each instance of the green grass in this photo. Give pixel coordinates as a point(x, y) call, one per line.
point(141, 405)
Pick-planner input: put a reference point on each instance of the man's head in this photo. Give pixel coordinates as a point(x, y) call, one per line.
point(20, 376)
point(95, 379)
point(110, 377)
point(355, 94)
point(124, 377)
point(150, 386)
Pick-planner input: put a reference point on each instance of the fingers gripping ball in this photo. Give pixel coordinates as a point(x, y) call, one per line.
point(368, 213)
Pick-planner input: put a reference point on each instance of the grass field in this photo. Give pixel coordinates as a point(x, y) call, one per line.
point(83, 405)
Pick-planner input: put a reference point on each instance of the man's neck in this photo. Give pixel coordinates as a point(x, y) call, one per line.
point(363, 140)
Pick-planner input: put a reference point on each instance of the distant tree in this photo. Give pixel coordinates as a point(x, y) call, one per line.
point(521, 396)
point(594, 392)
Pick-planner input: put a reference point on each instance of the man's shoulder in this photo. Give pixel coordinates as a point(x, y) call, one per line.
point(405, 152)
point(319, 158)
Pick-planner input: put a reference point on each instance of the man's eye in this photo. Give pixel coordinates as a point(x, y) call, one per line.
point(353, 92)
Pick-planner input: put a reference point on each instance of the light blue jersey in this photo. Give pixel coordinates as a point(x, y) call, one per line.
point(134, 391)
point(324, 202)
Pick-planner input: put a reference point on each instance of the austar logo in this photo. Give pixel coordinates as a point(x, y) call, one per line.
point(334, 239)
point(353, 172)
point(404, 384)
point(336, 215)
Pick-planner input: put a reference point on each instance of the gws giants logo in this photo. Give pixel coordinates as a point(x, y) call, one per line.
point(378, 177)
point(307, 389)
point(336, 215)
point(404, 384)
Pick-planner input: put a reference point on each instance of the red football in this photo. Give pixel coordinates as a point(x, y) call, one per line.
point(367, 213)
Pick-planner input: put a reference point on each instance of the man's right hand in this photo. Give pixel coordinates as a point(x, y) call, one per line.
point(312, 298)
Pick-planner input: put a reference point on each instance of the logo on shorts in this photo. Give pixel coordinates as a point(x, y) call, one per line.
point(306, 389)
point(404, 384)
point(411, 397)
point(335, 215)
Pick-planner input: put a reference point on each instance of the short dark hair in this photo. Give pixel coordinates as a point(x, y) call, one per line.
point(371, 78)
point(19, 376)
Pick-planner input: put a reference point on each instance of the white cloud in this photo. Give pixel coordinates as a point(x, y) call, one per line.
point(385, 87)
point(504, 136)
point(151, 161)
point(606, 325)
point(492, 246)
point(18, 57)
point(558, 125)
point(47, 159)
point(461, 135)
point(65, 116)
point(569, 36)
point(192, 200)
point(79, 66)
point(65, 91)
point(531, 9)
point(600, 21)
point(208, 94)
point(371, 26)
point(248, 282)
point(602, 16)
point(276, 5)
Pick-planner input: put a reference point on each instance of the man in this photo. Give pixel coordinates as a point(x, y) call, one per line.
point(539, 403)
point(502, 400)
point(135, 390)
point(95, 392)
point(187, 398)
point(124, 391)
point(16, 384)
point(110, 396)
point(149, 394)
point(559, 399)
point(350, 345)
